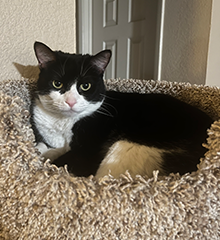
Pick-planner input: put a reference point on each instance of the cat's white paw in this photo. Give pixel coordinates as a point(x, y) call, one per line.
point(51, 154)
point(54, 153)
point(41, 147)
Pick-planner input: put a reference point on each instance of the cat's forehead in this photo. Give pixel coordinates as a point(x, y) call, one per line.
point(73, 58)
point(72, 67)
point(69, 68)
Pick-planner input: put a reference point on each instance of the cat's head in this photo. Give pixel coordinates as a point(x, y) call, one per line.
point(70, 84)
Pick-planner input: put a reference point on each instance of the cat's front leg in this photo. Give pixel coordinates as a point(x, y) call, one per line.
point(54, 153)
point(42, 147)
point(51, 153)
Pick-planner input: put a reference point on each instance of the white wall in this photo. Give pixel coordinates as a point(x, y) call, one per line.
point(22, 22)
point(184, 40)
point(213, 66)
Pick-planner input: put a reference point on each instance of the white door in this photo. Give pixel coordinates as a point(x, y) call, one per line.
point(128, 28)
point(122, 26)
point(150, 39)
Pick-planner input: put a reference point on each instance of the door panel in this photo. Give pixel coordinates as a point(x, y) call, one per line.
point(150, 39)
point(111, 69)
point(122, 26)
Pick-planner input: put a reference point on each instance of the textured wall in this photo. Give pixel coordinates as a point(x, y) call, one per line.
point(23, 21)
point(213, 68)
point(186, 39)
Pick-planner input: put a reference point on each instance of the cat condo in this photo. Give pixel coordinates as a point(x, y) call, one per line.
point(40, 201)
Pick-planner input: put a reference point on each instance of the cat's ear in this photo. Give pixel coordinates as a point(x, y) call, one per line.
point(44, 54)
point(101, 60)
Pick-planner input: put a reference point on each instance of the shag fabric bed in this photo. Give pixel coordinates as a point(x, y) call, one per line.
point(40, 201)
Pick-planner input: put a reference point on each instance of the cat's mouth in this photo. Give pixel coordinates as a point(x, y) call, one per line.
point(72, 111)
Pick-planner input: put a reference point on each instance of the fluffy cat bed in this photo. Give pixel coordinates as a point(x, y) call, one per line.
point(40, 201)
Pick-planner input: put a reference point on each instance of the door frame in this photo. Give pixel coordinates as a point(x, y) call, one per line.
point(84, 31)
point(84, 26)
point(84, 38)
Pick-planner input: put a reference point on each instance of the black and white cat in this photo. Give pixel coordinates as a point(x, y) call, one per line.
point(94, 131)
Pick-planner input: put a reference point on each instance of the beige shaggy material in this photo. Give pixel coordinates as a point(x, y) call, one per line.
point(40, 201)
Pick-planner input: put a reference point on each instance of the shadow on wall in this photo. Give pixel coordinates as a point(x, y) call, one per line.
point(27, 71)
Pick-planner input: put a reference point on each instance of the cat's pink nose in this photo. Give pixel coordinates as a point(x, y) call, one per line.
point(71, 102)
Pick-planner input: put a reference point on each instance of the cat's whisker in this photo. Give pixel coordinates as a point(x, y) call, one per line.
point(82, 66)
point(105, 96)
point(59, 75)
point(64, 65)
point(108, 104)
point(106, 112)
point(61, 68)
point(84, 73)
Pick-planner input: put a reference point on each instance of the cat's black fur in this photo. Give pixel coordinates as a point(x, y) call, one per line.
point(154, 120)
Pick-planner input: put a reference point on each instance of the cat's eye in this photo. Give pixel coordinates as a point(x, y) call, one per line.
point(57, 84)
point(85, 86)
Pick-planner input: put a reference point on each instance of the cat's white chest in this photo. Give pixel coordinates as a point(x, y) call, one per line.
point(56, 129)
point(54, 115)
